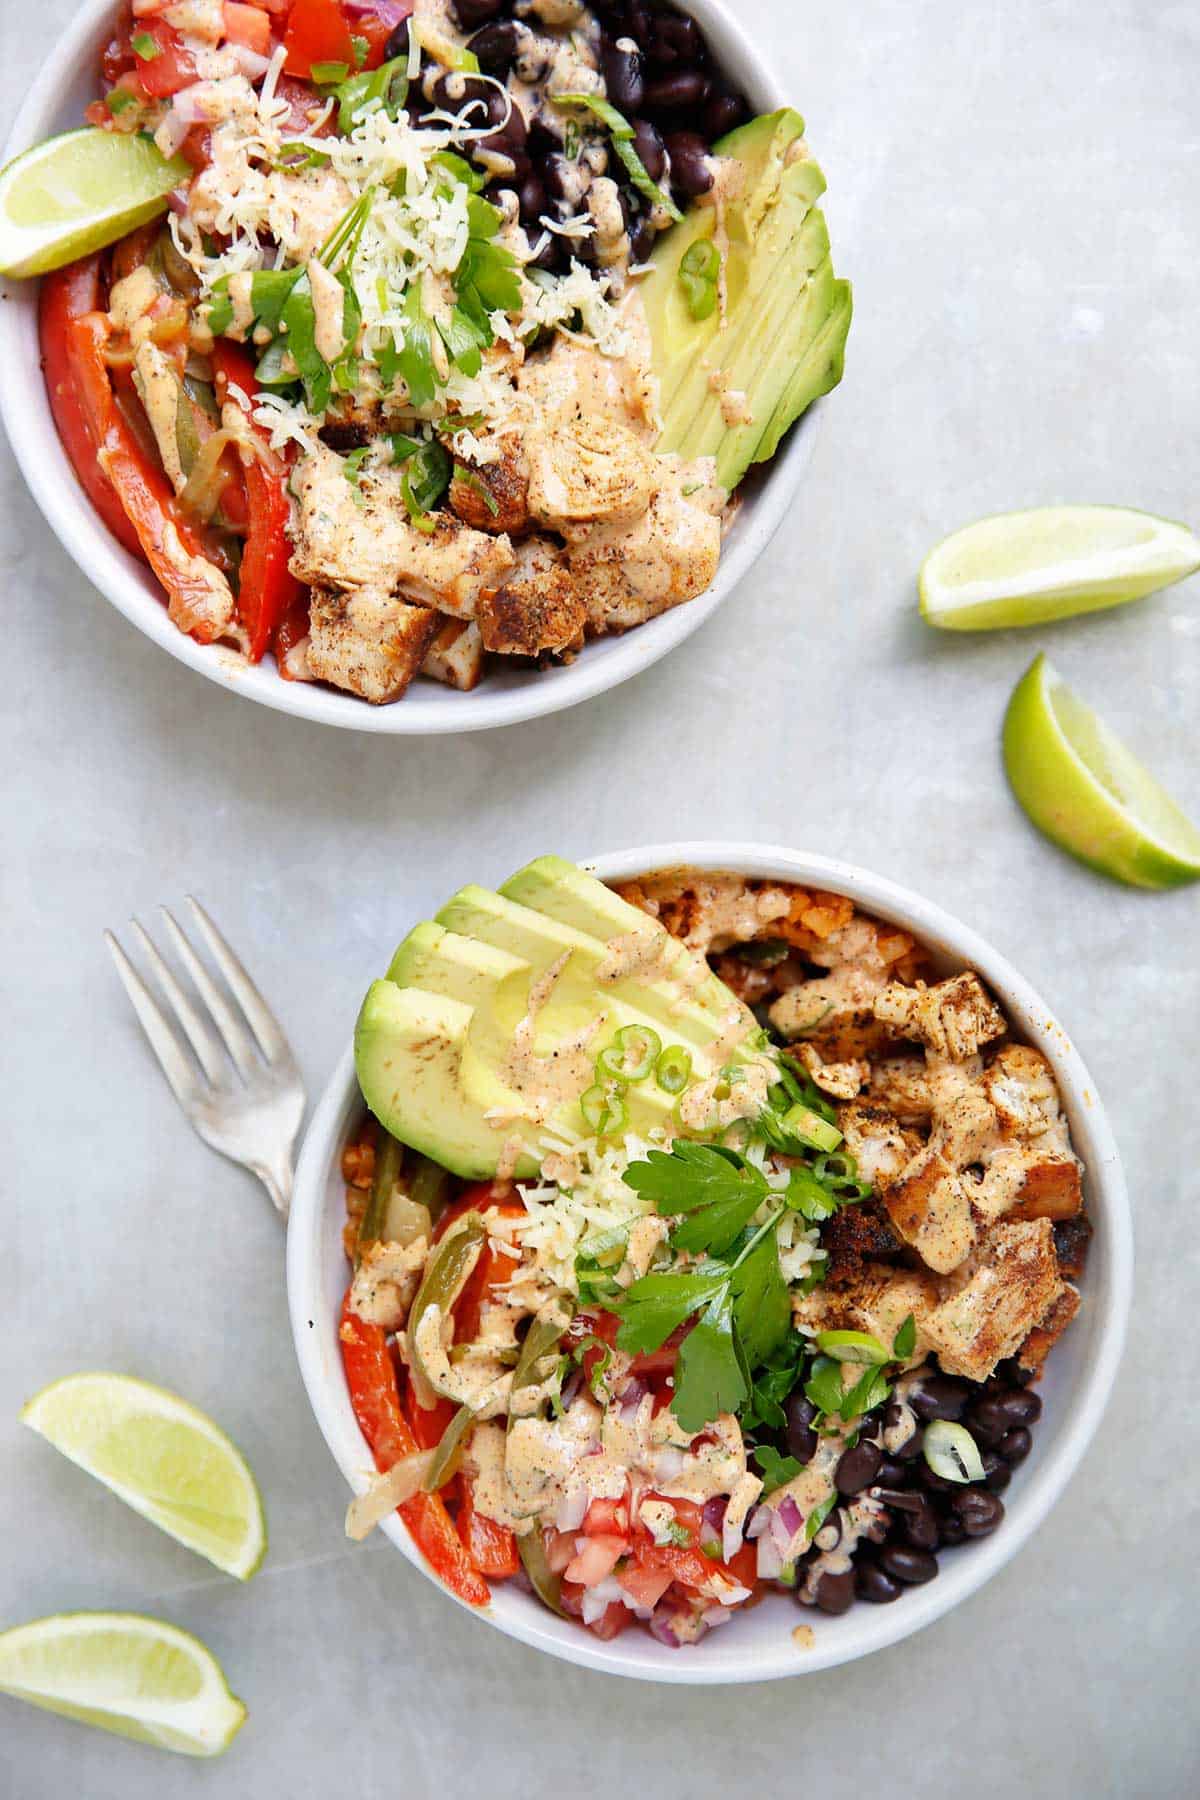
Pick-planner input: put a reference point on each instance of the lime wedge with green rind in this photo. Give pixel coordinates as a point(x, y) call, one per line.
point(1026, 568)
point(163, 1457)
point(1082, 787)
point(76, 193)
point(140, 1678)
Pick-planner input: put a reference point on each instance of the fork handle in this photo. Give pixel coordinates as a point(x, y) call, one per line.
point(277, 1178)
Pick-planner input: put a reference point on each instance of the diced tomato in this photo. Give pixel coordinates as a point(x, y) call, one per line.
point(377, 31)
point(172, 68)
point(606, 1518)
point(596, 1560)
point(612, 1620)
point(560, 1549)
point(645, 1585)
point(317, 32)
point(476, 1198)
point(247, 25)
point(653, 1363)
point(302, 102)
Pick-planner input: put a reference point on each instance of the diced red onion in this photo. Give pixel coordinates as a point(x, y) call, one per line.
point(760, 1518)
point(662, 1627)
point(731, 1541)
point(598, 1599)
point(249, 63)
point(668, 1463)
point(173, 130)
point(715, 1510)
point(791, 1515)
point(571, 1387)
point(569, 1515)
point(178, 200)
point(781, 1537)
point(632, 1395)
point(392, 12)
point(188, 106)
point(770, 1558)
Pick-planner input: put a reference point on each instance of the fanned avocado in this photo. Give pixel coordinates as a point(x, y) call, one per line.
point(732, 383)
point(467, 1045)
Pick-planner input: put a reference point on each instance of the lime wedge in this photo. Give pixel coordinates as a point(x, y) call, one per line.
point(1080, 785)
point(1024, 568)
point(75, 193)
point(165, 1458)
point(138, 1677)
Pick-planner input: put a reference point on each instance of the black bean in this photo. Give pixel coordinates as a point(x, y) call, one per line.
point(647, 141)
point(551, 256)
point(940, 1397)
point(801, 1438)
point(857, 1468)
point(531, 198)
point(672, 93)
point(992, 1418)
point(934, 1483)
point(452, 92)
point(722, 113)
point(558, 174)
point(898, 1499)
point(912, 1448)
point(637, 23)
point(495, 47)
point(344, 438)
point(951, 1528)
point(978, 1511)
point(471, 13)
point(920, 1529)
point(829, 1535)
point(675, 40)
point(1015, 1445)
point(641, 240)
point(875, 1584)
point(835, 1593)
point(912, 1567)
point(1024, 1407)
point(892, 1474)
point(397, 44)
point(690, 172)
point(1011, 1372)
point(624, 79)
point(996, 1472)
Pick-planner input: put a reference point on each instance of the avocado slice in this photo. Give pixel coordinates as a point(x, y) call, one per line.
point(408, 1047)
point(781, 340)
point(560, 890)
point(540, 940)
point(441, 961)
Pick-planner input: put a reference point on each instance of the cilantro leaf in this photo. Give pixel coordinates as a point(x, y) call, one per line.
point(776, 1470)
point(762, 1307)
point(773, 1383)
point(824, 1385)
point(708, 1374)
point(652, 1308)
point(905, 1340)
point(717, 1190)
point(867, 1393)
point(818, 1516)
point(415, 360)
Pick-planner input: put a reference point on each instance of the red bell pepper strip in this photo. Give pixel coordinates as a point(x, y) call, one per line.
point(491, 1546)
point(268, 589)
point(374, 1395)
point(166, 538)
point(317, 32)
point(67, 295)
point(292, 630)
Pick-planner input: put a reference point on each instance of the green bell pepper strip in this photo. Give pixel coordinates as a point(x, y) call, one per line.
point(445, 1277)
point(389, 1160)
point(541, 1341)
point(449, 1451)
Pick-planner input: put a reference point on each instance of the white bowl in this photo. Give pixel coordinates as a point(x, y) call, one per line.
point(55, 102)
point(757, 1645)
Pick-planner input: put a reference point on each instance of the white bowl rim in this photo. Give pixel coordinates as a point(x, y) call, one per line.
point(864, 1629)
point(507, 698)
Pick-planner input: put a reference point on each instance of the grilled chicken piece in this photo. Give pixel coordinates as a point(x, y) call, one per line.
point(835, 1013)
point(877, 1142)
point(1043, 1337)
point(592, 472)
point(855, 1236)
point(348, 538)
point(1014, 1286)
point(901, 1083)
point(572, 382)
point(386, 1281)
point(877, 1300)
point(841, 1080)
point(929, 1205)
point(456, 656)
point(538, 608)
point(955, 1018)
point(494, 496)
point(367, 641)
point(630, 573)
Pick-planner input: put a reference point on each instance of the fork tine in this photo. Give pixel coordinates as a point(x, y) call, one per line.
point(163, 1042)
point(262, 1019)
point(200, 1037)
point(237, 1039)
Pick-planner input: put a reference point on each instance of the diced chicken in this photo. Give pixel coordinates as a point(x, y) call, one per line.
point(1050, 1190)
point(385, 1282)
point(955, 1018)
point(369, 642)
point(456, 656)
point(930, 1207)
point(877, 1142)
point(878, 1301)
point(574, 382)
point(628, 574)
point(710, 912)
point(835, 1013)
point(538, 608)
point(1045, 1335)
point(857, 1235)
point(1012, 1289)
point(1020, 1085)
point(841, 1080)
point(594, 472)
point(347, 538)
point(901, 1083)
point(493, 496)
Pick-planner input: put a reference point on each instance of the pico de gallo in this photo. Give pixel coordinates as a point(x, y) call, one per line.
point(787, 1349)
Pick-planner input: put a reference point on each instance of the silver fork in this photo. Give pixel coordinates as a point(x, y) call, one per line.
point(247, 1104)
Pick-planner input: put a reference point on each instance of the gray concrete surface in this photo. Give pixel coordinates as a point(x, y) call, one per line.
point(1014, 192)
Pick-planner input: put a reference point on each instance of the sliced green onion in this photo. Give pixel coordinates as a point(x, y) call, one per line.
point(673, 1070)
point(119, 100)
point(622, 134)
point(144, 46)
point(632, 1054)
point(699, 275)
point(952, 1452)
point(604, 1110)
point(328, 74)
point(801, 1122)
point(852, 1347)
